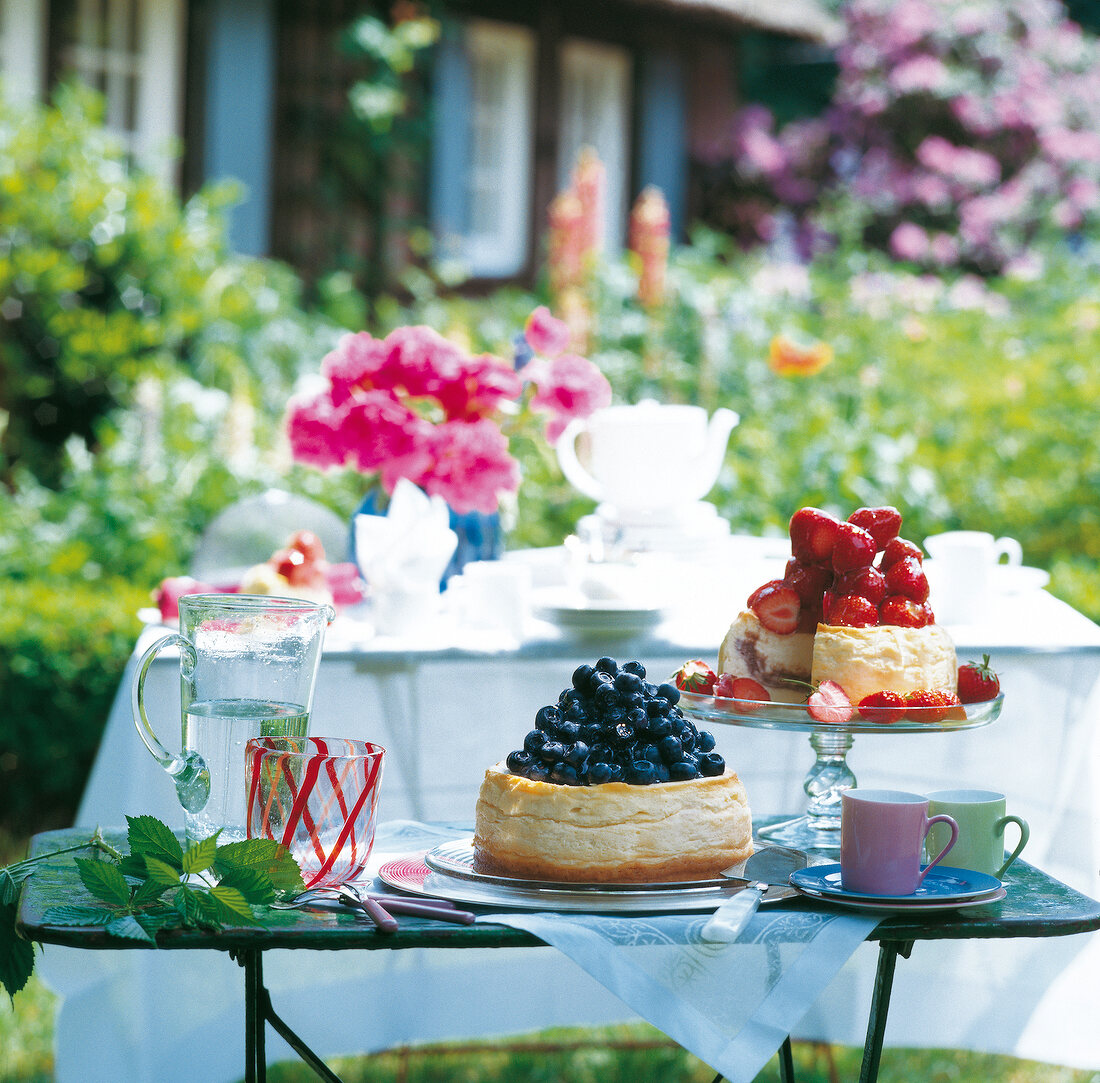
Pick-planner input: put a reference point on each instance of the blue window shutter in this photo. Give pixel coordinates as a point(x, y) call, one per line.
point(451, 100)
point(239, 95)
point(662, 140)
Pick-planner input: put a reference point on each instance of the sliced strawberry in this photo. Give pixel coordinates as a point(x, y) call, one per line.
point(897, 549)
point(813, 535)
point(829, 703)
point(776, 606)
point(695, 676)
point(748, 693)
point(925, 705)
point(906, 577)
point(723, 686)
point(904, 612)
point(882, 523)
point(852, 611)
point(854, 548)
point(978, 682)
point(868, 583)
point(882, 707)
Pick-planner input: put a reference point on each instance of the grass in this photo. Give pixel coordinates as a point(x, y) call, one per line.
point(638, 1053)
point(630, 1053)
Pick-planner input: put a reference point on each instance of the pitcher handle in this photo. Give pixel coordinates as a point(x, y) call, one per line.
point(571, 466)
point(188, 771)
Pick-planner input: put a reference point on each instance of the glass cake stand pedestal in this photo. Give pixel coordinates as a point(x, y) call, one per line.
point(818, 828)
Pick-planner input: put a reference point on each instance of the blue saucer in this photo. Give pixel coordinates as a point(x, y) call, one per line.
point(942, 884)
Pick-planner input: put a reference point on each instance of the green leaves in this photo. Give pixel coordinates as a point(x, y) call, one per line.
point(16, 954)
point(159, 885)
point(104, 881)
point(148, 837)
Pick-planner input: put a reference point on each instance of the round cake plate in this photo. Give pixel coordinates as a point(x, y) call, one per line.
point(794, 716)
point(817, 831)
point(447, 872)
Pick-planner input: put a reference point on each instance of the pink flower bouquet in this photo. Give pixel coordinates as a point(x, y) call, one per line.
point(416, 405)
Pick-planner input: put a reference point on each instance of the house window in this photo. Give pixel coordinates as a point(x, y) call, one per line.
point(22, 48)
point(498, 174)
point(595, 112)
point(481, 175)
point(131, 51)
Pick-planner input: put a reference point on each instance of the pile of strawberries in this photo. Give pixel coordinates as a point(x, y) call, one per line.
point(856, 573)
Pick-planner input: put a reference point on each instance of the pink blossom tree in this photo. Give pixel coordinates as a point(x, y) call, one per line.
point(957, 135)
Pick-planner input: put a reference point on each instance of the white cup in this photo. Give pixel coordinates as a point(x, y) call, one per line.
point(493, 595)
point(961, 570)
point(405, 609)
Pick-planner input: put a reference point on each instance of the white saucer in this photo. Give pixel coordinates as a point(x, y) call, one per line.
point(1018, 579)
point(573, 613)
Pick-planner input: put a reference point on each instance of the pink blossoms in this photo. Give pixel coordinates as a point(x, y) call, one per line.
point(416, 405)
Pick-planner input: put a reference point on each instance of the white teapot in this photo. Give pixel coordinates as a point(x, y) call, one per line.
point(647, 458)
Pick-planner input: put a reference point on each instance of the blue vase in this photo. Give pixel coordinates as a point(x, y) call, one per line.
point(480, 534)
point(480, 537)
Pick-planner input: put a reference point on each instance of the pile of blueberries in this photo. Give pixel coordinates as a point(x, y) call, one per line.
point(612, 725)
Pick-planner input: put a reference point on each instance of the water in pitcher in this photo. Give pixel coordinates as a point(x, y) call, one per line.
point(217, 730)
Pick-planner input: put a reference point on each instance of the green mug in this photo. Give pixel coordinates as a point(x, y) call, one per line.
point(982, 820)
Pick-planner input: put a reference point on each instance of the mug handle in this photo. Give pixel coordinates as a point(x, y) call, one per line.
point(1008, 547)
point(188, 771)
point(943, 853)
point(1025, 834)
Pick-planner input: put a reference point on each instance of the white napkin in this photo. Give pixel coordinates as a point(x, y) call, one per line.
point(408, 547)
point(729, 1004)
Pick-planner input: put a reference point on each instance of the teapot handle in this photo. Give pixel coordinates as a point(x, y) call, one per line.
point(571, 466)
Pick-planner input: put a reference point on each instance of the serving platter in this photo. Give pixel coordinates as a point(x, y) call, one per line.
point(448, 872)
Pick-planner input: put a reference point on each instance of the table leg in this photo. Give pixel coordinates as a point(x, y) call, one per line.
point(258, 1012)
point(888, 953)
point(786, 1064)
point(255, 1055)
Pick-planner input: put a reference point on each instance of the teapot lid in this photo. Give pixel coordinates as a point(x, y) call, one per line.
point(649, 410)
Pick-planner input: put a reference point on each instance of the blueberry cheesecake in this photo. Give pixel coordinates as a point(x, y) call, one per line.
point(612, 785)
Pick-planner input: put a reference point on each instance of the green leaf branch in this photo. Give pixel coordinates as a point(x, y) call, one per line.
point(158, 885)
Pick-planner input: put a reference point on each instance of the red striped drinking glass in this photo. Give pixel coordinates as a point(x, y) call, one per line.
point(318, 796)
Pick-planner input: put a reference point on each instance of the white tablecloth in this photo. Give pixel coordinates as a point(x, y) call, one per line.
point(447, 706)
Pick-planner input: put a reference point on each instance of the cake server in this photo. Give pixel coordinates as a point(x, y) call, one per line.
point(772, 865)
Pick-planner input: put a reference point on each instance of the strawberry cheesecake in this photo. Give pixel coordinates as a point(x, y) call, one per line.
point(851, 610)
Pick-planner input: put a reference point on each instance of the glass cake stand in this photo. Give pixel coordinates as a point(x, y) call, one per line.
point(818, 828)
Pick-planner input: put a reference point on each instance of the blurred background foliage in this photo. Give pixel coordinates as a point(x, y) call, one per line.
point(144, 369)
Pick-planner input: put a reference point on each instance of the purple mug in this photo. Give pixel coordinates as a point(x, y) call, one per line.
point(882, 838)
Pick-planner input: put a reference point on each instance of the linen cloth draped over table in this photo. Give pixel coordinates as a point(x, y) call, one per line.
point(450, 704)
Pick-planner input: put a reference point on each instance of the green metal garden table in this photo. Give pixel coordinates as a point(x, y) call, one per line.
point(1036, 906)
